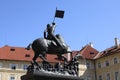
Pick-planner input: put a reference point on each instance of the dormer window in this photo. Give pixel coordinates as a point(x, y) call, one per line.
point(12, 49)
point(91, 53)
point(27, 55)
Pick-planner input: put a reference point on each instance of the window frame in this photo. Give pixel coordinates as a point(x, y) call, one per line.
point(0, 76)
point(117, 76)
point(88, 65)
point(115, 60)
point(13, 66)
point(108, 76)
point(12, 77)
point(107, 63)
point(1, 65)
point(100, 77)
point(25, 66)
point(99, 65)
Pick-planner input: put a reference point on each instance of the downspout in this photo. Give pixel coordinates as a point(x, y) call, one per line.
point(95, 70)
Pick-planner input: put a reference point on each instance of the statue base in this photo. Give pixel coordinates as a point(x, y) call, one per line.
point(46, 71)
point(46, 75)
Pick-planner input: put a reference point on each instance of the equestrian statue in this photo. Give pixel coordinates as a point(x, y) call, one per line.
point(50, 44)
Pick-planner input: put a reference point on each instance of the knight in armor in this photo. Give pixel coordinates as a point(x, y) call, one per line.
point(50, 34)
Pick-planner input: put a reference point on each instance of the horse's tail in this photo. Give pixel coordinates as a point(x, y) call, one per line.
point(28, 47)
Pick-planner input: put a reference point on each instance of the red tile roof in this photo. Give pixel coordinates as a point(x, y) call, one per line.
point(21, 54)
point(108, 51)
point(88, 52)
point(74, 53)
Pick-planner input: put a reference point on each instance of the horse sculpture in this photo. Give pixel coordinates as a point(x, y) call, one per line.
point(50, 44)
point(42, 46)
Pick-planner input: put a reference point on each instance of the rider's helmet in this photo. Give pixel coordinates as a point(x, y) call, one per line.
point(48, 25)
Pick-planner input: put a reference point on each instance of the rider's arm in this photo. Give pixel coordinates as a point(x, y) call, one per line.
point(53, 26)
point(45, 34)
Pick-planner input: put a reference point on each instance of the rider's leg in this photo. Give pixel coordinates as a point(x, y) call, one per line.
point(60, 38)
point(57, 41)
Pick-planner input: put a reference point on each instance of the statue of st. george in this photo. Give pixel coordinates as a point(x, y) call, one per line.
point(49, 34)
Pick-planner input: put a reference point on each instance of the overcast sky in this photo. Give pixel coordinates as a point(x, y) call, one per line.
point(96, 21)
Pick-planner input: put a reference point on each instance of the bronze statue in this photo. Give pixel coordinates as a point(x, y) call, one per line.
point(50, 44)
point(51, 36)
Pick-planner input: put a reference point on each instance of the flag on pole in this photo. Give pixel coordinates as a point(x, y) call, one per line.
point(59, 14)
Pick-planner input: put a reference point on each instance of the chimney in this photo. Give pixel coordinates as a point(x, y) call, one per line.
point(116, 42)
point(91, 44)
point(69, 54)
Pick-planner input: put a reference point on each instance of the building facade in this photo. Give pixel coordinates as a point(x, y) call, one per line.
point(93, 65)
point(15, 60)
point(108, 65)
point(12, 70)
point(87, 63)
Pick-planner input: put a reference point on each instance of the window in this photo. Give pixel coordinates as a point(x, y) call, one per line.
point(88, 77)
point(88, 65)
point(25, 66)
point(99, 65)
point(0, 65)
point(13, 66)
point(108, 76)
point(0, 77)
point(107, 63)
point(100, 77)
point(115, 61)
point(116, 76)
point(12, 77)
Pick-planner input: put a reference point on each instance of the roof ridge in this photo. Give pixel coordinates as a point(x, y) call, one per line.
point(83, 49)
point(11, 46)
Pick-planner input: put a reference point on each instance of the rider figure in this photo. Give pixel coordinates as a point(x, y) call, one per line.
point(50, 34)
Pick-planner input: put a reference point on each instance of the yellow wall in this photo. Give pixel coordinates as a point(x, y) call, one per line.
point(94, 72)
point(6, 71)
point(111, 69)
point(84, 71)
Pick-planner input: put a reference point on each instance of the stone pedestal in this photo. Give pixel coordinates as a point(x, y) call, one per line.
point(43, 75)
